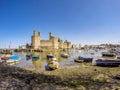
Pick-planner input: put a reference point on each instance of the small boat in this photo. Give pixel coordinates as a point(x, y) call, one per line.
point(6, 51)
point(78, 60)
point(52, 65)
point(108, 54)
point(106, 63)
point(14, 57)
point(35, 56)
point(4, 58)
point(50, 56)
point(83, 59)
point(29, 55)
point(65, 55)
point(118, 57)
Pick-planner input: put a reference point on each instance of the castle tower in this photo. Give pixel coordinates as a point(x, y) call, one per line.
point(68, 45)
point(35, 39)
point(50, 36)
point(65, 45)
point(61, 44)
point(38, 33)
point(55, 43)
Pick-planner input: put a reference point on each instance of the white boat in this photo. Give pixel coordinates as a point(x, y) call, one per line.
point(53, 65)
point(65, 55)
point(12, 61)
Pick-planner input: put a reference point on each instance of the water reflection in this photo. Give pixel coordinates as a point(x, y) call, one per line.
point(40, 63)
point(37, 63)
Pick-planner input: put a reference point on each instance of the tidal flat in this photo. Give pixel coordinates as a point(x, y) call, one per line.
point(84, 77)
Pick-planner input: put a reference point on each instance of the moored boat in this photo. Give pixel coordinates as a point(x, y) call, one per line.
point(106, 63)
point(52, 65)
point(83, 59)
point(35, 56)
point(4, 58)
point(28, 56)
point(50, 56)
point(14, 57)
point(65, 55)
point(6, 51)
point(108, 54)
point(78, 60)
point(11, 59)
point(118, 57)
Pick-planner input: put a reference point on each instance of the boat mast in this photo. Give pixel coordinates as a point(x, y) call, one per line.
point(10, 45)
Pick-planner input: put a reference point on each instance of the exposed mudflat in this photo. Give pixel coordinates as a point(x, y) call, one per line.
point(84, 77)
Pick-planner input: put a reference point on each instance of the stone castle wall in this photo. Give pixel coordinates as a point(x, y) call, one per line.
point(53, 42)
point(46, 44)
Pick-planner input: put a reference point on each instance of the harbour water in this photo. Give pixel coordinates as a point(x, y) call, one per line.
point(38, 64)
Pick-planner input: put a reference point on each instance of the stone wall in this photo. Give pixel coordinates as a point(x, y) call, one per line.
point(46, 44)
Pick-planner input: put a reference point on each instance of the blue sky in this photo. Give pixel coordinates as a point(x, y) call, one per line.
point(79, 21)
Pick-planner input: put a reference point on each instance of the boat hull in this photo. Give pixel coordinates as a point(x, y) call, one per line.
point(84, 59)
point(107, 63)
point(35, 57)
point(77, 60)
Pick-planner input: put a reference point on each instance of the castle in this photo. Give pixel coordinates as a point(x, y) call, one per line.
point(52, 43)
